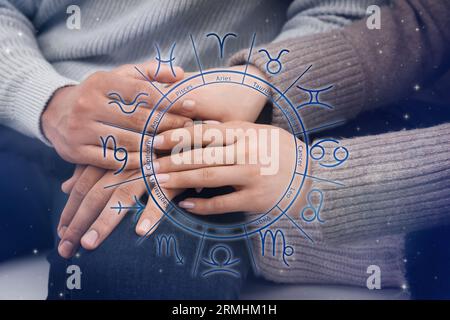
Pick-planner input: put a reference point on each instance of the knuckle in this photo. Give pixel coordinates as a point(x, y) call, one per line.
point(81, 105)
point(217, 204)
point(124, 192)
point(95, 195)
point(170, 121)
point(73, 232)
point(141, 117)
point(81, 188)
point(102, 224)
point(207, 174)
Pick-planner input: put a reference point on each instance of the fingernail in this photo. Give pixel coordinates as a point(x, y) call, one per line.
point(65, 248)
point(90, 238)
point(198, 190)
point(61, 231)
point(186, 204)
point(155, 166)
point(163, 177)
point(189, 123)
point(188, 105)
point(145, 226)
point(211, 122)
point(158, 141)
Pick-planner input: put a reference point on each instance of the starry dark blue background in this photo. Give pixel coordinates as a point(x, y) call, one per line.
point(31, 172)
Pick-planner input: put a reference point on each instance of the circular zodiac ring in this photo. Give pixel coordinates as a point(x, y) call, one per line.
point(187, 220)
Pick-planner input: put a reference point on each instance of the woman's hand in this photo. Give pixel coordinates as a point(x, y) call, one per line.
point(222, 101)
point(89, 215)
point(257, 160)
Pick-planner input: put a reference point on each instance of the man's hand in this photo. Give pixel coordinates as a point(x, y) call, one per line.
point(78, 116)
point(88, 217)
point(222, 101)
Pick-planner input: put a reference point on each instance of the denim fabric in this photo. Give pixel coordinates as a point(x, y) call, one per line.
point(27, 185)
point(122, 268)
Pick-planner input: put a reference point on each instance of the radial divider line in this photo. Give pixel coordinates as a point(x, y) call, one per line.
point(197, 255)
point(327, 125)
point(320, 179)
point(197, 58)
point(127, 181)
point(293, 83)
point(151, 82)
point(144, 237)
point(296, 225)
point(249, 246)
point(126, 129)
point(248, 58)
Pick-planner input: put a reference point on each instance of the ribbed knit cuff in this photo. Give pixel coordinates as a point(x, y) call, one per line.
point(333, 61)
point(31, 97)
point(393, 183)
point(322, 263)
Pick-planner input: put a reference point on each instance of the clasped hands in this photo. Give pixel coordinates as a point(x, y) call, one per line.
point(77, 116)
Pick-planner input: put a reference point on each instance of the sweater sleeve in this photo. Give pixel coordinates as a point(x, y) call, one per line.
point(367, 68)
point(27, 80)
point(393, 183)
point(324, 263)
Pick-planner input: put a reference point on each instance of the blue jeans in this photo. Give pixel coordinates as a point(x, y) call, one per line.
point(124, 268)
point(29, 173)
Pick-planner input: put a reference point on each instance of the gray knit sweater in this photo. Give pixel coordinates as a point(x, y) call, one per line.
point(38, 54)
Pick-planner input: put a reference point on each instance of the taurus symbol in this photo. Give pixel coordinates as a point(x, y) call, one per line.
point(276, 61)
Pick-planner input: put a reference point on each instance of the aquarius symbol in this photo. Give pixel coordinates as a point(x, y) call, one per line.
point(123, 159)
point(287, 250)
point(139, 207)
point(276, 61)
point(168, 240)
point(221, 264)
point(321, 155)
point(314, 97)
point(221, 41)
point(169, 61)
point(118, 100)
point(311, 207)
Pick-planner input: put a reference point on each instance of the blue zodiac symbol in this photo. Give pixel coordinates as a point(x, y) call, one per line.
point(276, 61)
point(310, 207)
point(139, 207)
point(221, 264)
point(321, 155)
point(118, 100)
point(314, 97)
point(169, 61)
point(117, 151)
point(221, 41)
point(287, 250)
point(168, 240)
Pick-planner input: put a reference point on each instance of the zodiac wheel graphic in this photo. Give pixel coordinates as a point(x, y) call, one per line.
point(265, 225)
point(190, 222)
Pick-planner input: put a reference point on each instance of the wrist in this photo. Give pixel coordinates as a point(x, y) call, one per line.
point(49, 114)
